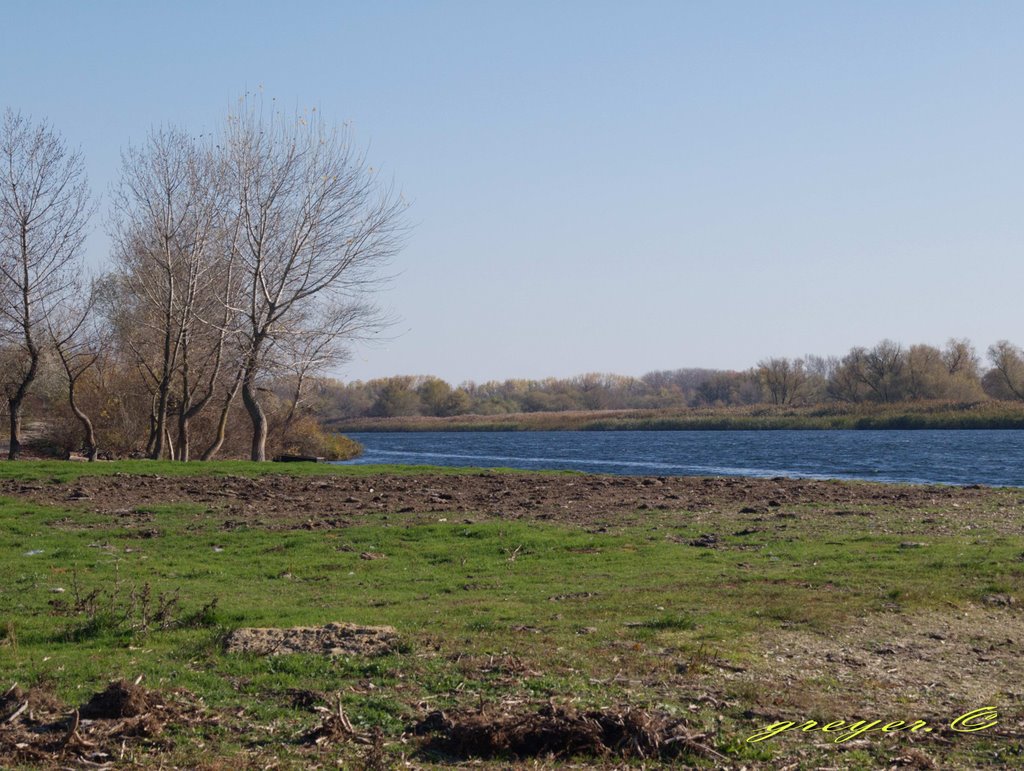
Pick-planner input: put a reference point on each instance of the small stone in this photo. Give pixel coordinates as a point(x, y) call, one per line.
point(706, 541)
point(1001, 600)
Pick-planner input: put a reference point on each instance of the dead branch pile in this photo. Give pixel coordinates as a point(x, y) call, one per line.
point(561, 732)
point(36, 729)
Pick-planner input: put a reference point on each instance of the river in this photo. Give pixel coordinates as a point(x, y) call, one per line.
point(935, 456)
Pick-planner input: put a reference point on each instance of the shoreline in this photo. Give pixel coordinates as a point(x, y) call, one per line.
point(923, 416)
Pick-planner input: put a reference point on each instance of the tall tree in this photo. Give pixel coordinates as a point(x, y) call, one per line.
point(45, 209)
point(317, 227)
point(781, 378)
point(170, 259)
point(1006, 378)
point(78, 343)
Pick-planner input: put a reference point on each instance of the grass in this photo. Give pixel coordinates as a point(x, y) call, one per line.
point(487, 611)
point(63, 471)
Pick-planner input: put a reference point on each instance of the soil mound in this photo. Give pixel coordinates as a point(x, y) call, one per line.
point(119, 699)
point(337, 639)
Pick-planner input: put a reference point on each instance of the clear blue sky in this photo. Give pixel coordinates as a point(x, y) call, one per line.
point(609, 186)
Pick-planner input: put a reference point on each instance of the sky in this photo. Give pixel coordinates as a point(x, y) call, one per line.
point(607, 186)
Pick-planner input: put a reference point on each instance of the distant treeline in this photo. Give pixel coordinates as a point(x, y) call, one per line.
point(886, 374)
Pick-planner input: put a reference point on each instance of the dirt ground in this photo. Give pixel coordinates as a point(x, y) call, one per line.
point(280, 502)
point(335, 639)
point(931, 666)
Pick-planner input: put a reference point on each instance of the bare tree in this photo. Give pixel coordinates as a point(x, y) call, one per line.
point(1006, 378)
point(960, 358)
point(208, 348)
point(876, 374)
point(168, 255)
point(883, 370)
point(77, 342)
point(317, 227)
point(228, 397)
point(45, 209)
point(782, 378)
point(846, 377)
point(309, 355)
point(925, 375)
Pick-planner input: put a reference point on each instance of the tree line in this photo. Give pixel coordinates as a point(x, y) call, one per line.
point(243, 263)
point(887, 372)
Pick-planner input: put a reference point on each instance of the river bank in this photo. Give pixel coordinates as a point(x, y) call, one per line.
point(910, 415)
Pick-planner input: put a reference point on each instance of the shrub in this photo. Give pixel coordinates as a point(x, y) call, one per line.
point(305, 436)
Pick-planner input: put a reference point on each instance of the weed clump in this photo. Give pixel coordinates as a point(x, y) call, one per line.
point(117, 613)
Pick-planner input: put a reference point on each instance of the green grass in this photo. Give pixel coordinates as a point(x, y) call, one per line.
point(63, 471)
point(461, 595)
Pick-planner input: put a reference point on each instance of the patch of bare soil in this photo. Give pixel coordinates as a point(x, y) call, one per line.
point(280, 502)
point(932, 666)
point(561, 732)
point(337, 639)
point(37, 730)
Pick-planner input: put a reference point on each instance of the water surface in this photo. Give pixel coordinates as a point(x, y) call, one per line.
point(934, 456)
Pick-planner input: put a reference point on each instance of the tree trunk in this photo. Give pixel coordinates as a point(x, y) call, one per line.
point(183, 416)
point(257, 416)
point(151, 442)
point(167, 441)
point(16, 401)
point(222, 423)
point(296, 395)
point(183, 444)
point(162, 433)
point(90, 433)
point(15, 448)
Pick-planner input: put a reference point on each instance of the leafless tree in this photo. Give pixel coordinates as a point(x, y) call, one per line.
point(1007, 374)
point(45, 209)
point(781, 378)
point(925, 375)
point(75, 337)
point(166, 226)
point(847, 376)
point(318, 344)
point(228, 394)
point(317, 228)
point(209, 347)
point(883, 370)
